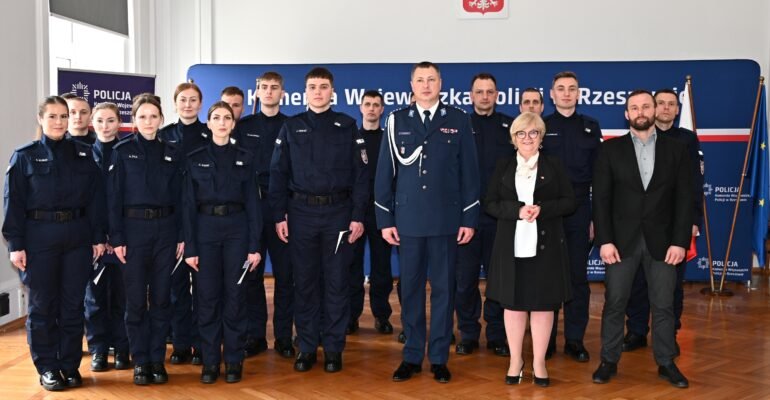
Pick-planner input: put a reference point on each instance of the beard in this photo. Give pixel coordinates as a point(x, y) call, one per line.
point(641, 123)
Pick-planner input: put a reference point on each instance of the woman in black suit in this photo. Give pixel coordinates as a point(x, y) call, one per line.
point(529, 272)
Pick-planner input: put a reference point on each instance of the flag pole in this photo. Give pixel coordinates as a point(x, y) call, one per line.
point(740, 186)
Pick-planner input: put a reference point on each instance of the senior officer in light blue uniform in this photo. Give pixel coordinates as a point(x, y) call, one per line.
point(319, 188)
point(427, 202)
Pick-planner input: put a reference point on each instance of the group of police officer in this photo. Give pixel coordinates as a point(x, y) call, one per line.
point(416, 185)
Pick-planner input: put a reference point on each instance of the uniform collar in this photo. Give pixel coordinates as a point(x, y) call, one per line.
point(432, 109)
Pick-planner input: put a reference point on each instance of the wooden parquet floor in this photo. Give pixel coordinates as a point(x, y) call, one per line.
point(725, 346)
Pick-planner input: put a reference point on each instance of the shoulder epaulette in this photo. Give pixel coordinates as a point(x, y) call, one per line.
point(27, 146)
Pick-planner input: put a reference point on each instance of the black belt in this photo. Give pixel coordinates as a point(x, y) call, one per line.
point(320, 200)
point(220, 210)
point(56, 215)
point(148, 213)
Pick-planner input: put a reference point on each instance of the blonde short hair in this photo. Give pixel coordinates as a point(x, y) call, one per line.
point(524, 120)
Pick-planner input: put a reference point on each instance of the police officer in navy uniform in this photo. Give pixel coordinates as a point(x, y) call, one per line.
point(105, 301)
point(233, 96)
point(493, 141)
point(222, 224)
point(144, 196)
point(531, 101)
point(318, 192)
point(189, 134)
point(380, 276)
point(257, 132)
point(54, 227)
point(427, 198)
point(80, 116)
point(575, 139)
point(638, 309)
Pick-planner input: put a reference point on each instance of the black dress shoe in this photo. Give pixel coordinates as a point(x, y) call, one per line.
point(99, 362)
point(605, 371)
point(304, 361)
point(332, 361)
point(159, 374)
point(633, 341)
point(209, 373)
point(233, 372)
point(284, 348)
point(466, 347)
point(352, 327)
point(255, 346)
point(577, 351)
point(515, 380)
point(180, 356)
point(672, 374)
point(142, 375)
point(405, 371)
point(542, 382)
point(500, 348)
point(440, 373)
point(402, 337)
point(52, 381)
point(382, 325)
point(72, 379)
point(550, 350)
point(122, 360)
point(197, 357)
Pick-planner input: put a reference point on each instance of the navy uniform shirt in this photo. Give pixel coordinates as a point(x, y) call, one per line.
point(257, 132)
point(88, 138)
point(102, 153)
point(492, 134)
point(575, 141)
point(427, 183)
point(372, 141)
point(690, 139)
point(319, 154)
point(191, 136)
point(221, 175)
point(143, 174)
point(52, 175)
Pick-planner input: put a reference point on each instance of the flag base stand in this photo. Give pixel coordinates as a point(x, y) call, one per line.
point(716, 292)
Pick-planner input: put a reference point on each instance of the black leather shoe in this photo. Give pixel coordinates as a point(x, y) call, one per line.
point(284, 348)
point(159, 374)
point(605, 371)
point(52, 381)
point(352, 327)
point(72, 379)
point(402, 337)
point(122, 360)
point(255, 346)
point(542, 382)
point(500, 348)
point(672, 374)
point(633, 341)
point(180, 356)
point(382, 325)
point(233, 372)
point(197, 357)
point(142, 375)
point(405, 371)
point(304, 361)
point(550, 350)
point(515, 380)
point(466, 347)
point(332, 361)
point(577, 351)
point(440, 373)
point(209, 373)
point(99, 362)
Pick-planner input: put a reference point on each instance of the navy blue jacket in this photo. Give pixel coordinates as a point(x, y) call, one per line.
point(52, 175)
point(575, 140)
point(257, 132)
point(492, 134)
point(690, 139)
point(439, 192)
point(190, 136)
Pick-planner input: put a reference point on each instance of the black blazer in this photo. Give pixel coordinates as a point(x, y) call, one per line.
point(554, 194)
point(623, 209)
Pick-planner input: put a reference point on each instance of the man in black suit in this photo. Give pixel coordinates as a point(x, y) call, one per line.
point(642, 202)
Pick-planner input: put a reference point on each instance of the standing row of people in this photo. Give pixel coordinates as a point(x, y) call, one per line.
point(451, 192)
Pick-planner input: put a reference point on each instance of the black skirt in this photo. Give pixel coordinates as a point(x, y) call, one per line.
point(538, 287)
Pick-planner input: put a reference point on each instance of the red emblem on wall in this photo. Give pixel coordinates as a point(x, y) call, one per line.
point(483, 6)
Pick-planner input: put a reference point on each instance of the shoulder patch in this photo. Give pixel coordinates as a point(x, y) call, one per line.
point(343, 120)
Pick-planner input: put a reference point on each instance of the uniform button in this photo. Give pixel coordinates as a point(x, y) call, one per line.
point(424, 187)
point(542, 233)
point(424, 156)
point(424, 172)
point(542, 247)
point(425, 142)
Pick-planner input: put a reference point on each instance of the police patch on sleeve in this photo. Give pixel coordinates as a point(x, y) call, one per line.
point(364, 157)
point(277, 142)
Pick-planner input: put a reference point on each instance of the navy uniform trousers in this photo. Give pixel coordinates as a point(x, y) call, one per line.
point(318, 255)
point(283, 295)
point(380, 275)
point(420, 259)
point(222, 248)
point(150, 257)
point(184, 321)
point(57, 274)
point(105, 309)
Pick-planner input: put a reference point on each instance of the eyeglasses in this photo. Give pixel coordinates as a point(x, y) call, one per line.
point(522, 134)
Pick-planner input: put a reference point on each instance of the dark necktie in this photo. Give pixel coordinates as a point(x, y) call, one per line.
point(426, 120)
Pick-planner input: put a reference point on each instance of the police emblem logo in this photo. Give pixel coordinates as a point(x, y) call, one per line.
point(364, 157)
point(443, 112)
